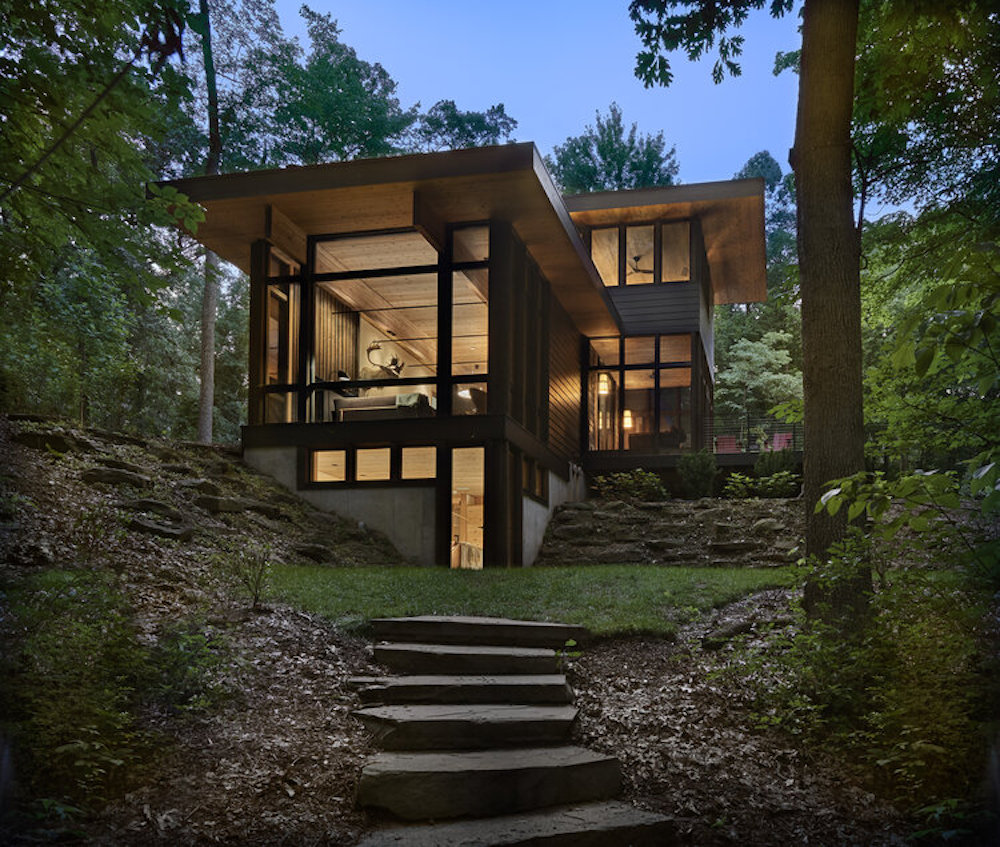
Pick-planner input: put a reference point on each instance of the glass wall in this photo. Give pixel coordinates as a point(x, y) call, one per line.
point(375, 326)
point(468, 491)
point(642, 254)
point(282, 297)
point(639, 393)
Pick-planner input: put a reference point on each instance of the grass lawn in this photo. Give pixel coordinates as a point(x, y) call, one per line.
point(607, 599)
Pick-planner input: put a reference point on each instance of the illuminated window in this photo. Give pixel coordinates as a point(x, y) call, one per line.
point(419, 462)
point(329, 465)
point(468, 489)
point(373, 464)
point(604, 252)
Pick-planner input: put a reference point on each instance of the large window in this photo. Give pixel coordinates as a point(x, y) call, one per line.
point(468, 490)
point(639, 393)
point(642, 254)
point(376, 315)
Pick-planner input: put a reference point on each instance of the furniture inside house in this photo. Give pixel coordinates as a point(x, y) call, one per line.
point(382, 406)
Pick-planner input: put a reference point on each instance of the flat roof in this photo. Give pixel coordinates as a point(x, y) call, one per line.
point(507, 182)
point(732, 223)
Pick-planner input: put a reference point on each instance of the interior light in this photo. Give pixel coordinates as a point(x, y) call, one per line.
point(465, 393)
point(627, 419)
point(603, 384)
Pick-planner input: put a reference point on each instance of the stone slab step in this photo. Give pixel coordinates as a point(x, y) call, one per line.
point(457, 659)
point(460, 629)
point(591, 825)
point(473, 688)
point(466, 727)
point(437, 786)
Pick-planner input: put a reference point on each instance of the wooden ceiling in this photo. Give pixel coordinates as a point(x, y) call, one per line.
point(490, 183)
point(732, 222)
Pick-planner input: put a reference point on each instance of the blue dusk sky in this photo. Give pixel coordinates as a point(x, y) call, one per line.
point(554, 63)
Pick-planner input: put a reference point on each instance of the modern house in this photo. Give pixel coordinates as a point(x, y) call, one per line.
point(443, 347)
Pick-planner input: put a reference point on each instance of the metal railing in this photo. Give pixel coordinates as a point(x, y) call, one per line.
point(753, 435)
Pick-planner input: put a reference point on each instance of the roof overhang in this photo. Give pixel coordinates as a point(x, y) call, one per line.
point(731, 214)
point(426, 190)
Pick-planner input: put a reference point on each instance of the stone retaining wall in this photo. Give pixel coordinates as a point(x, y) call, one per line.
point(708, 532)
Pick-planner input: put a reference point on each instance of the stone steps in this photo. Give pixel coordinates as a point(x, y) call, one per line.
point(455, 726)
point(455, 658)
point(478, 727)
point(472, 688)
point(485, 782)
point(470, 631)
point(590, 825)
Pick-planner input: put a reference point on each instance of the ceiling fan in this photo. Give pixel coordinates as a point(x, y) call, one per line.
point(633, 264)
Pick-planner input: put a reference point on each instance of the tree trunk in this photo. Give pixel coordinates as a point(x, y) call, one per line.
point(210, 298)
point(829, 276)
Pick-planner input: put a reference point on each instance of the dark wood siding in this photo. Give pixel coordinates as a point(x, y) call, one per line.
point(666, 308)
point(564, 383)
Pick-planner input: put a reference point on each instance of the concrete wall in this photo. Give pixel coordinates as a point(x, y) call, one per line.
point(535, 517)
point(405, 515)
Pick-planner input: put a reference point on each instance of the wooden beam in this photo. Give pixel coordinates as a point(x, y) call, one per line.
point(427, 222)
point(284, 234)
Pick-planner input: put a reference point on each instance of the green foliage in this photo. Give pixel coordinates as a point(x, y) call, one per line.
point(73, 664)
point(739, 486)
point(181, 665)
point(604, 158)
point(248, 569)
point(929, 507)
point(779, 484)
point(332, 105)
point(632, 486)
point(757, 376)
point(698, 472)
point(775, 461)
point(78, 678)
point(661, 31)
point(905, 697)
point(96, 532)
point(446, 127)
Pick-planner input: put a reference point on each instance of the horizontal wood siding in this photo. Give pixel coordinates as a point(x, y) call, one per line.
point(564, 383)
point(666, 308)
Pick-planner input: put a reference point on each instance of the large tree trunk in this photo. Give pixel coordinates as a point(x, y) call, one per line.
point(210, 298)
point(830, 276)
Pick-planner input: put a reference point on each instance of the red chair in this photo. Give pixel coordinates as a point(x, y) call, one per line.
point(727, 444)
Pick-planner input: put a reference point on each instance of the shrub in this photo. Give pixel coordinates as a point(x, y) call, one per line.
point(743, 486)
point(249, 570)
point(771, 462)
point(698, 472)
point(906, 693)
point(76, 680)
point(739, 486)
point(780, 484)
point(631, 486)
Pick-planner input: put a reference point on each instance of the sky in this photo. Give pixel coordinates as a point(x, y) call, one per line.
point(555, 63)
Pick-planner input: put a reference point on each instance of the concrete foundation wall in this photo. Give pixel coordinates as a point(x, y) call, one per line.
point(535, 517)
point(405, 515)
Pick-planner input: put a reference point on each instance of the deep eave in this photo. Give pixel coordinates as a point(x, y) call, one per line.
point(506, 182)
point(732, 221)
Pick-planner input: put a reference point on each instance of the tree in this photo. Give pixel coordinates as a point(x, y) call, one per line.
point(332, 105)
point(780, 311)
point(446, 127)
point(758, 376)
point(81, 111)
point(605, 158)
point(210, 295)
point(828, 252)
